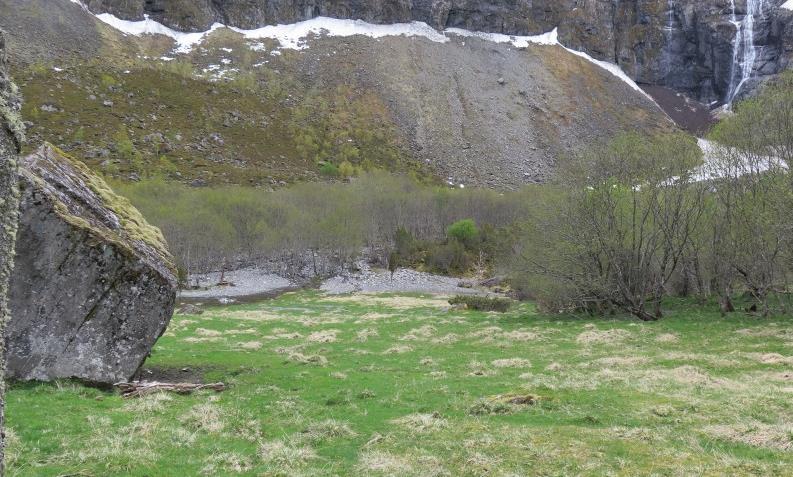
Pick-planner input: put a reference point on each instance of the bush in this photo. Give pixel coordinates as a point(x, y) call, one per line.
point(482, 303)
point(447, 258)
point(328, 169)
point(465, 231)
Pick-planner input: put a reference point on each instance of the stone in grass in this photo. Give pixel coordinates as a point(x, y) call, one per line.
point(93, 285)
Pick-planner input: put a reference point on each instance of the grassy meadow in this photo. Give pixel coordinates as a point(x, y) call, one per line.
point(402, 385)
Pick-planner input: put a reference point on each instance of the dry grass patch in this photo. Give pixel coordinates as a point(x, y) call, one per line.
point(312, 359)
point(619, 361)
point(421, 422)
point(226, 462)
point(667, 338)
point(446, 339)
point(324, 336)
point(369, 317)
point(249, 315)
point(209, 339)
point(554, 367)
point(772, 358)
point(363, 335)
point(383, 463)
point(205, 417)
point(395, 302)
point(285, 457)
point(328, 429)
point(398, 349)
point(521, 335)
point(420, 333)
point(613, 336)
point(240, 331)
point(250, 345)
point(479, 369)
point(511, 363)
point(757, 434)
point(285, 336)
point(149, 403)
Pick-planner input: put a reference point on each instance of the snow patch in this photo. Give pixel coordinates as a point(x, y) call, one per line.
point(550, 38)
point(788, 5)
point(715, 166)
point(295, 36)
point(184, 41)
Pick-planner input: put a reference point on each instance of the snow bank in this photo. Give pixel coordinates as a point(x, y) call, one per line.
point(719, 162)
point(295, 35)
point(788, 5)
point(184, 41)
point(550, 38)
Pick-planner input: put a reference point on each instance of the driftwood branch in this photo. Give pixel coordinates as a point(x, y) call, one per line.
point(142, 388)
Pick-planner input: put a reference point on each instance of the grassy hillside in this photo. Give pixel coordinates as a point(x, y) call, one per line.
point(387, 385)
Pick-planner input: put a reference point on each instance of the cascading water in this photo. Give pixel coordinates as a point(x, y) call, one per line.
point(744, 50)
point(669, 30)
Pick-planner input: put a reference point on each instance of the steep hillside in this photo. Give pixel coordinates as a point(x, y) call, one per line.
point(231, 108)
point(683, 44)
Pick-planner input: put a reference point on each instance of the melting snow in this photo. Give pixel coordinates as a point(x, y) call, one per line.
point(185, 41)
point(550, 38)
point(294, 36)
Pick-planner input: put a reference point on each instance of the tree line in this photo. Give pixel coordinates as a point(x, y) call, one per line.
point(624, 224)
point(211, 228)
point(640, 218)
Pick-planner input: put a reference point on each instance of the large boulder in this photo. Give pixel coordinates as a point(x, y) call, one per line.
point(93, 286)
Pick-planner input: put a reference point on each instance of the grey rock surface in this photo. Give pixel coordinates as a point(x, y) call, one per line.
point(404, 280)
point(93, 287)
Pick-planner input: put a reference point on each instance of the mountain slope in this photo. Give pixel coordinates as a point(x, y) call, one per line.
point(686, 45)
point(470, 111)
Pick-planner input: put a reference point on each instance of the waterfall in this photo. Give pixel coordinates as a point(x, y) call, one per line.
point(669, 30)
point(744, 51)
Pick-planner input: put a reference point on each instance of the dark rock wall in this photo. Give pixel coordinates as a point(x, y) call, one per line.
point(683, 44)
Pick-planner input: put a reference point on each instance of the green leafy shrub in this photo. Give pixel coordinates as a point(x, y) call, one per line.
point(465, 231)
point(482, 303)
point(329, 169)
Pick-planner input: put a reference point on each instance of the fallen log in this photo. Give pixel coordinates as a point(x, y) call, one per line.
point(142, 388)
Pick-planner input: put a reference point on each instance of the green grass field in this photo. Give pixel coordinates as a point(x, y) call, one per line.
point(400, 385)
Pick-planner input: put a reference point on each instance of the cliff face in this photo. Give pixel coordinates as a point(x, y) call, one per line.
point(684, 44)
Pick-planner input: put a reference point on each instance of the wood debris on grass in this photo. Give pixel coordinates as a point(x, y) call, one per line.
point(142, 388)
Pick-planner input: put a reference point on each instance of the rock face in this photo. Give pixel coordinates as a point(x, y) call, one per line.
point(683, 44)
point(10, 137)
point(93, 286)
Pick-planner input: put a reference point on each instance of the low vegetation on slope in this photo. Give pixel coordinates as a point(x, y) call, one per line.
point(385, 385)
